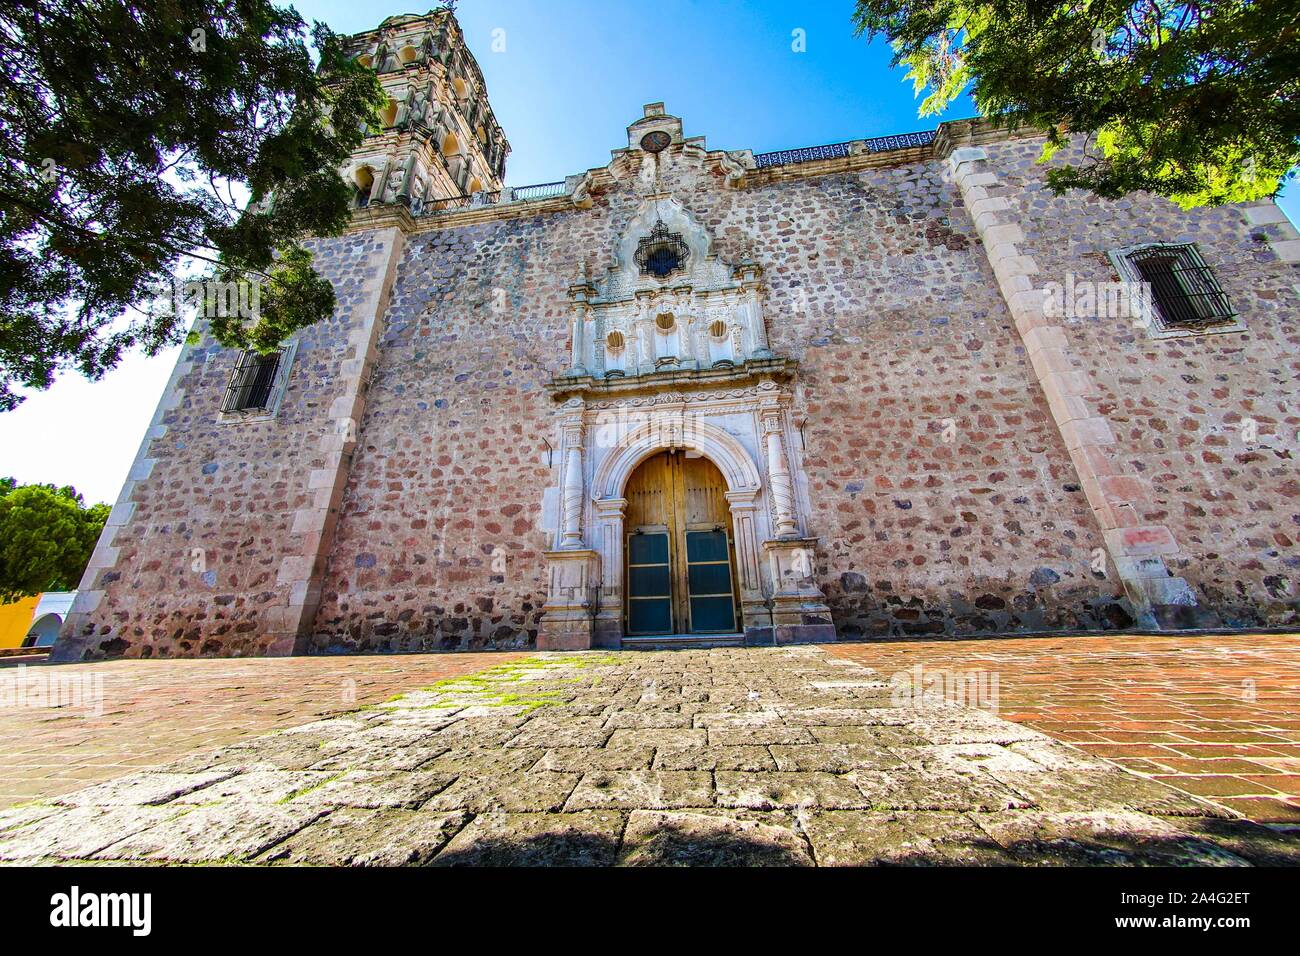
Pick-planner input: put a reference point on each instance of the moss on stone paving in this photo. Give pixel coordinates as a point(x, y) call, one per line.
point(485, 688)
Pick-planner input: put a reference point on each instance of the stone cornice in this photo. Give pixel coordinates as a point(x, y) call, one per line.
point(731, 163)
point(977, 131)
point(751, 372)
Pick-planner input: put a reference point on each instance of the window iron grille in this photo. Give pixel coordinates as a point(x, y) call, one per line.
point(1181, 288)
point(661, 253)
point(252, 384)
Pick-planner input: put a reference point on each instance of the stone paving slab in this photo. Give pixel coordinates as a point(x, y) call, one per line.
point(704, 757)
point(585, 838)
point(712, 838)
point(146, 713)
point(1214, 715)
point(866, 838)
point(355, 837)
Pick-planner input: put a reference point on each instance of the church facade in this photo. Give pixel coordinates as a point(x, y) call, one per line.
point(885, 388)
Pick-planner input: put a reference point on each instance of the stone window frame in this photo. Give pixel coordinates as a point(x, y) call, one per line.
point(278, 389)
point(1145, 311)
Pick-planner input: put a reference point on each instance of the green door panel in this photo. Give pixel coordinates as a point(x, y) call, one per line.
point(708, 577)
point(649, 584)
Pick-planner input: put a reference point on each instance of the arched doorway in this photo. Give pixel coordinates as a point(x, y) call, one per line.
point(679, 551)
point(44, 632)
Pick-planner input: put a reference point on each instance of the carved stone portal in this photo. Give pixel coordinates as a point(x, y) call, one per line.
point(677, 363)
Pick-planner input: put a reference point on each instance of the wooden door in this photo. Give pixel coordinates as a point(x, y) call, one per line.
point(680, 558)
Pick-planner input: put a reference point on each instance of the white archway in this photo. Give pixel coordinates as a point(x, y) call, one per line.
point(673, 431)
point(44, 631)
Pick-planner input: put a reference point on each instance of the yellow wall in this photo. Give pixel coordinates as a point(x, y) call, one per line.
point(15, 619)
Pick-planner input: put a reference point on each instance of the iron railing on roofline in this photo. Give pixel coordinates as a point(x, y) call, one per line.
point(516, 194)
point(877, 144)
point(538, 191)
point(780, 157)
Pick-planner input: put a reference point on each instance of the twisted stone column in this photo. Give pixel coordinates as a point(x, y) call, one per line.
point(782, 485)
point(573, 484)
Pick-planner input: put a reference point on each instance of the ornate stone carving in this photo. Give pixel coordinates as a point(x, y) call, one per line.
point(706, 288)
point(732, 170)
point(573, 485)
point(778, 475)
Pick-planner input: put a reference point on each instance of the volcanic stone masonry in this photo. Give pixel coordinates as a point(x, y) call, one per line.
point(724, 397)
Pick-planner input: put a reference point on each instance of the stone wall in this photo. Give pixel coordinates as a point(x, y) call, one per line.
point(399, 501)
point(1181, 409)
point(216, 543)
point(943, 496)
point(438, 545)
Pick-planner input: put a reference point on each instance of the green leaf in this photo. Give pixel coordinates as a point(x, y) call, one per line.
point(1196, 102)
point(46, 538)
point(113, 128)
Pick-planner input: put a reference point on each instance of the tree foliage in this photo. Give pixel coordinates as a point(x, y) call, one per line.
point(138, 138)
point(47, 535)
point(1193, 101)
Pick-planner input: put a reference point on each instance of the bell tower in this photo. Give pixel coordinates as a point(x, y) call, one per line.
point(438, 144)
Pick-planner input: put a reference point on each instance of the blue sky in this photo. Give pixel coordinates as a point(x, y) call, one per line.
point(572, 75)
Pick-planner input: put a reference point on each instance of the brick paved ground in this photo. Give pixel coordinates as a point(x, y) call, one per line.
point(1217, 716)
point(156, 711)
point(773, 756)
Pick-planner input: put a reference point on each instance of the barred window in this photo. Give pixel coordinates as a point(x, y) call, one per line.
point(1180, 288)
point(661, 253)
point(252, 385)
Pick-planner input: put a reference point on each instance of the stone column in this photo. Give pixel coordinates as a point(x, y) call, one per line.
point(574, 571)
point(408, 177)
point(635, 348)
point(645, 331)
point(571, 526)
point(599, 333)
point(799, 610)
point(749, 575)
point(778, 476)
point(580, 295)
point(572, 593)
point(608, 540)
point(686, 335)
point(380, 182)
point(1137, 551)
point(750, 276)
